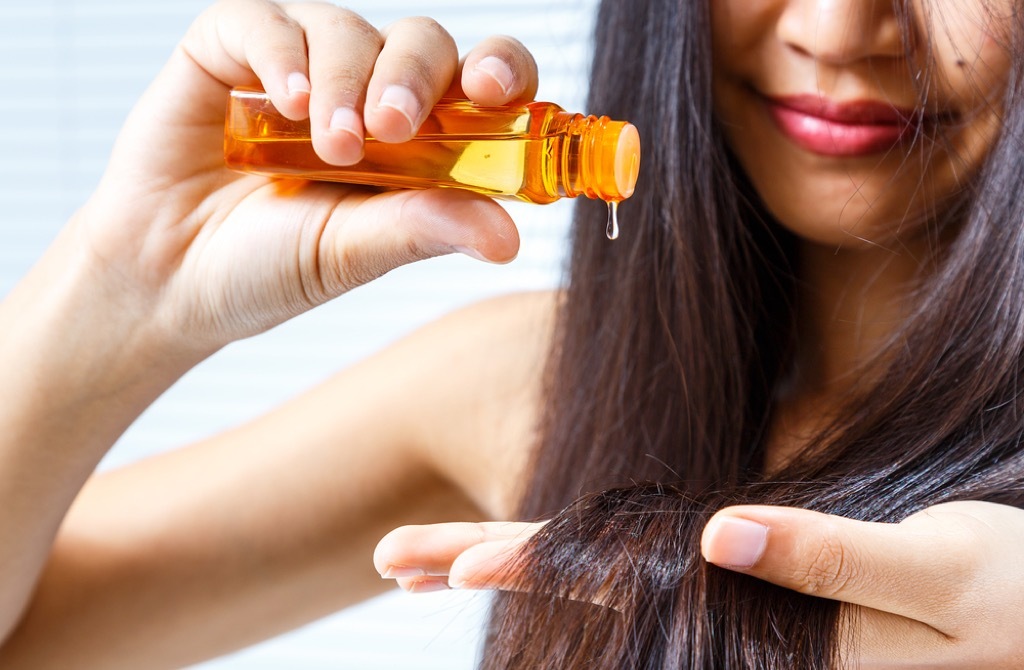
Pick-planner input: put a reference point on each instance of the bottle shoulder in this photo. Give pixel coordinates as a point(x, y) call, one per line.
point(461, 118)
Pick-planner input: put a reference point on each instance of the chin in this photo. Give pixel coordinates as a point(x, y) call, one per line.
point(850, 228)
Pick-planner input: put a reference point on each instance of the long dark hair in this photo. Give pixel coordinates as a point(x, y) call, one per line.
point(670, 348)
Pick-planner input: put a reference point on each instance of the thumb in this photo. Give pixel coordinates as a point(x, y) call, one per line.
point(382, 232)
point(908, 571)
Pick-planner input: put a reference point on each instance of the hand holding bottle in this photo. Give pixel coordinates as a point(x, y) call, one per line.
point(175, 255)
point(217, 255)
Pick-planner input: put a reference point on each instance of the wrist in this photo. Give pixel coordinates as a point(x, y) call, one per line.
point(76, 329)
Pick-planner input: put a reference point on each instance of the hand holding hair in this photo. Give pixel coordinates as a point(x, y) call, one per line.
point(942, 588)
point(452, 555)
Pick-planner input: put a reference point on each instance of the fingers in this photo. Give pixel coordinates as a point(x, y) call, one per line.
point(382, 84)
point(338, 86)
point(498, 71)
point(486, 565)
point(349, 78)
point(249, 43)
point(450, 554)
point(912, 572)
point(414, 70)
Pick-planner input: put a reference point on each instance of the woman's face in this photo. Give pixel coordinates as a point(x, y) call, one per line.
point(818, 100)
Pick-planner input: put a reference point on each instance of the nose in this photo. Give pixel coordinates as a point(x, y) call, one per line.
point(842, 32)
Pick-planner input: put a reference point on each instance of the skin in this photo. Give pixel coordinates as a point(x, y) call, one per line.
point(843, 51)
point(273, 524)
point(861, 220)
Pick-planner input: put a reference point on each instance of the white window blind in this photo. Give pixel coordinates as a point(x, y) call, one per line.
point(70, 71)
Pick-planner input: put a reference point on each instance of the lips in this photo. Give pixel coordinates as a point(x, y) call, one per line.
point(842, 129)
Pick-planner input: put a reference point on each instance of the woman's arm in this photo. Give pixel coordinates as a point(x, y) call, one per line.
point(174, 256)
point(201, 551)
point(74, 378)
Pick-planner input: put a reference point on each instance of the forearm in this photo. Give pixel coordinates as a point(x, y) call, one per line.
point(203, 550)
point(79, 366)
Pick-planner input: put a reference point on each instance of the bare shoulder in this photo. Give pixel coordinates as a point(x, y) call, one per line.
point(475, 377)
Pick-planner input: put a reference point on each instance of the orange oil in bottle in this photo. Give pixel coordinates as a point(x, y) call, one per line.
point(535, 152)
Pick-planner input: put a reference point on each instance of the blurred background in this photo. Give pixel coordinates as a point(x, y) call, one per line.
point(70, 70)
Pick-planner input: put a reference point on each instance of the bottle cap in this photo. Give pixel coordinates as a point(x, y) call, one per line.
point(616, 156)
point(627, 160)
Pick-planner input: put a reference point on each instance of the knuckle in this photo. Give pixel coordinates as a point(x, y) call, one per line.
point(426, 38)
point(341, 86)
point(281, 53)
point(426, 26)
point(354, 268)
point(354, 27)
point(359, 263)
point(279, 36)
point(829, 572)
point(416, 71)
point(276, 21)
point(411, 249)
point(510, 45)
point(511, 49)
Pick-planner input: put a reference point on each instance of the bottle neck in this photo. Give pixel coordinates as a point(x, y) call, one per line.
point(600, 158)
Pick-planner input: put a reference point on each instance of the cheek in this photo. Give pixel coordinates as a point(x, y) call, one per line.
point(970, 50)
point(736, 25)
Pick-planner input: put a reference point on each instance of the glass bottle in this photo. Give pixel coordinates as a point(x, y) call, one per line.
point(535, 151)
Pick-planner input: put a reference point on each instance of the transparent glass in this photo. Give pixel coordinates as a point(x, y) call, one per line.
point(535, 152)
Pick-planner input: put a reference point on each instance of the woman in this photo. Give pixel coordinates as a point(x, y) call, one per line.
point(157, 271)
point(860, 261)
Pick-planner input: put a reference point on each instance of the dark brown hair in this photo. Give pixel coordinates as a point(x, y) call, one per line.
point(671, 346)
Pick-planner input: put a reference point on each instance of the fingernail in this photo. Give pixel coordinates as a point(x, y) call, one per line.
point(498, 70)
point(345, 120)
point(427, 586)
point(400, 571)
point(472, 253)
point(735, 543)
point(402, 100)
point(298, 83)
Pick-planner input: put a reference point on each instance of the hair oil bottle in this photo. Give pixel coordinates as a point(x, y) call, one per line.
point(535, 152)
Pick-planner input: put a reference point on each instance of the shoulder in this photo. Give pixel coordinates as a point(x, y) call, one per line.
point(520, 321)
point(472, 385)
point(493, 334)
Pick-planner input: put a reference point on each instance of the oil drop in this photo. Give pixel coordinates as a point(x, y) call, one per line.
point(612, 230)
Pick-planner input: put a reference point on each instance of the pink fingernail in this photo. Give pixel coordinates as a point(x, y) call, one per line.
point(298, 83)
point(400, 571)
point(498, 70)
point(736, 543)
point(345, 119)
point(471, 252)
point(427, 586)
point(403, 101)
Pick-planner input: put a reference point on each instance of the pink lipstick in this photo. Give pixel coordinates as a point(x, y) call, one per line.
point(842, 129)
